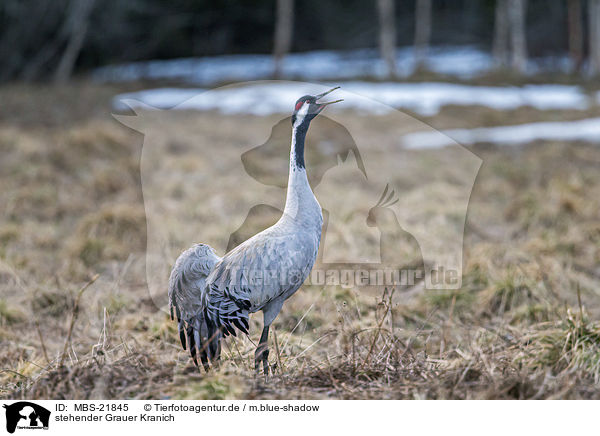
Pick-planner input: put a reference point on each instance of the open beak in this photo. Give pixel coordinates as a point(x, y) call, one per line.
point(327, 92)
point(322, 105)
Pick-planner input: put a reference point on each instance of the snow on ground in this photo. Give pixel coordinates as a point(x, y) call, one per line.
point(580, 130)
point(428, 98)
point(461, 61)
point(263, 98)
point(464, 62)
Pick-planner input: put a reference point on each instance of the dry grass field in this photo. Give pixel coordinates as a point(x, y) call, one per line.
point(77, 319)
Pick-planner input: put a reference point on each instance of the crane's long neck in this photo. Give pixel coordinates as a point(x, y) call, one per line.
point(301, 205)
point(297, 151)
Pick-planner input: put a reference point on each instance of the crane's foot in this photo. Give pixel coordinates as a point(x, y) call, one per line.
point(262, 355)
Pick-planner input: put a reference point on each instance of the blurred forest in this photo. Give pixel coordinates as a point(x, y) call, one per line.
point(53, 39)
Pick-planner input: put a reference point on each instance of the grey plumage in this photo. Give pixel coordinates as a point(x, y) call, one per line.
point(212, 297)
point(187, 285)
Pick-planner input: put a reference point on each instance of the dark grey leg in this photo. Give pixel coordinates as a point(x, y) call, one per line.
point(262, 352)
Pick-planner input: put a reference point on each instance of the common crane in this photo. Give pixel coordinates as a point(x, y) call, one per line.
point(213, 296)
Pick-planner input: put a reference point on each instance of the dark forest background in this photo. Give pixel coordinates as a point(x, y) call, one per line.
point(42, 38)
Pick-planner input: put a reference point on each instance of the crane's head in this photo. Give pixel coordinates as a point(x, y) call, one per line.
point(308, 107)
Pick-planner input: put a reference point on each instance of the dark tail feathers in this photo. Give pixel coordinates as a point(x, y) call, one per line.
point(203, 338)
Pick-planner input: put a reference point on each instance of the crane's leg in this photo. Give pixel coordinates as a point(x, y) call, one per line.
point(262, 352)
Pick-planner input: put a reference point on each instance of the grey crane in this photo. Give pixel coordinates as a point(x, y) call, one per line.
point(213, 296)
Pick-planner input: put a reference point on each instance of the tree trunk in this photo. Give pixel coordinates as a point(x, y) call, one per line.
point(78, 21)
point(284, 26)
point(575, 33)
point(387, 34)
point(594, 25)
point(500, 44)
point(516, 18)
point(422, 31)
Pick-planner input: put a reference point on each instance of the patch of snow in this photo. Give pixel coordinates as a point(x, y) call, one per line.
point(461, 61)
point(581, 130)
point(464, 62)
point(429, 98)
point(160, 98)
point(424, 98)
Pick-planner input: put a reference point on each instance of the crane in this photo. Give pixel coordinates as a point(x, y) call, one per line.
point(213, 296)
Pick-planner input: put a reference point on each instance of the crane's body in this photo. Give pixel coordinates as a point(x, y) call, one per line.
point(213, 296)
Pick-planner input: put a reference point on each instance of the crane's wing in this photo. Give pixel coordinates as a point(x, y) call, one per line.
point(261, 269)
point(187, 297)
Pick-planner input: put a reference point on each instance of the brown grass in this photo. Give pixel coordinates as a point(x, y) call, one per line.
point(524, 324)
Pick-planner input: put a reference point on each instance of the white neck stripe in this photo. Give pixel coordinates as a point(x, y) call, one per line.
point(301, 114)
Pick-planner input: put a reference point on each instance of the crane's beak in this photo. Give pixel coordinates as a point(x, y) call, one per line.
point(322, 105)
point(326, 92)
